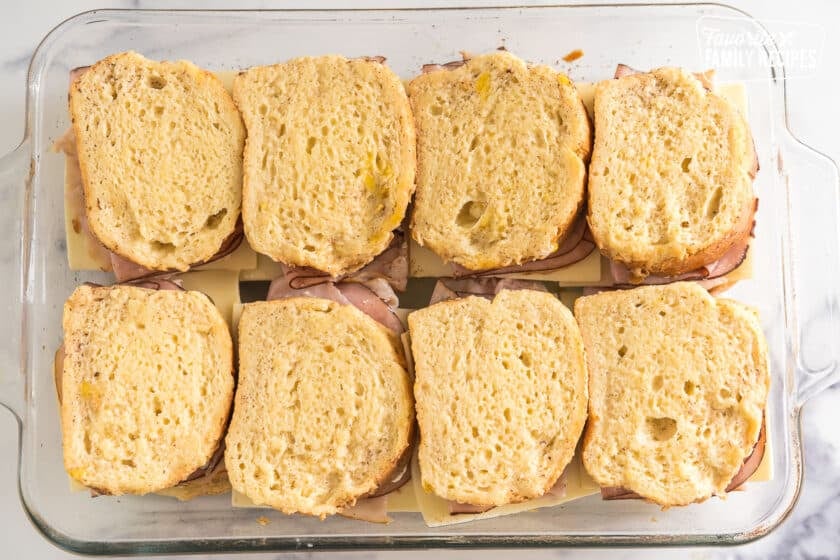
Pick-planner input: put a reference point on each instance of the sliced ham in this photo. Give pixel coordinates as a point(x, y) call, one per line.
point(374, 506)
point(618, 493)
point(623, 70)
point(752, 462)
point(577, 245)
point(281, 288)
point(213, 464)
point(125, 269)
point(399, 475)
point(371, 304)
point(374, 510)
point(706, 78)
point(446, 66)
point(456, 508)
point(373, 300)
point(559, 487)
point(748, 468)
point(156, 284)
point(454, 288)
point(732, 259)
point(390, 265)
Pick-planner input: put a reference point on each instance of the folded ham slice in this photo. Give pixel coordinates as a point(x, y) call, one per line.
point(374, 510)
point(623, 278)
point(446, 66)
point(125, 269)
point(214, 463)
point(706, 78)
point(390, 265)
point(748, 468)
point(375, 298)
point(577, 245)
point(454, 288)
point(374, 506)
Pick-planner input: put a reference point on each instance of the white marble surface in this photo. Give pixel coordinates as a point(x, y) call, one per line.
point(812, 531)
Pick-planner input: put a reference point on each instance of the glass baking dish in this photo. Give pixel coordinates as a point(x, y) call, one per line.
point(797, 298)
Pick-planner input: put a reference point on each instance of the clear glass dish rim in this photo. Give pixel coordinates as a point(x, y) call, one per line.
point(397, 542)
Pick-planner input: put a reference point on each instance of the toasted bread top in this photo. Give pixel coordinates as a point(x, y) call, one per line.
point(501, 395)
point(323, 409)
point(670, 182)
point(146, 386)
point(678, 382)
point(501, 152)
point(160, 152)
point(329, 162)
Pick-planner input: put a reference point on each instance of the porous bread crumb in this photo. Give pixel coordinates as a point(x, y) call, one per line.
point(330, 160)
point(670, 182)
point(323, 408)
point(501, 150)
point(501, 395)
point(160, 152)
point(678, 383)
point(146, 386)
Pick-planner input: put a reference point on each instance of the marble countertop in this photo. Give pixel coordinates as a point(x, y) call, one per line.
point(812, 530)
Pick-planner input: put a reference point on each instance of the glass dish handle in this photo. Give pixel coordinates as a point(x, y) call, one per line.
point(813, 191)
point(14, 176)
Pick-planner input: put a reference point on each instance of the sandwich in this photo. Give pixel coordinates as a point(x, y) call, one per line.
point(145, 385)
point(501, 392)
point(678, 384)
point(159, 148)
point(329, 163)
point(323, 416)
point(670, 182)
point(502, 148)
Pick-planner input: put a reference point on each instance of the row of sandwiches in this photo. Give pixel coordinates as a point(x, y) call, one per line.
point(483, 397)
point(325, 398)
point(314, 163)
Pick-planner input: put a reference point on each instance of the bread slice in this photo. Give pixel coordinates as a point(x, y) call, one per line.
point(160, 151)
point(323, 409)
point(501, 395)
point(678, 382)
point(329, 162)
point(501, 152)
point(146, 388)
point(670, 182)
